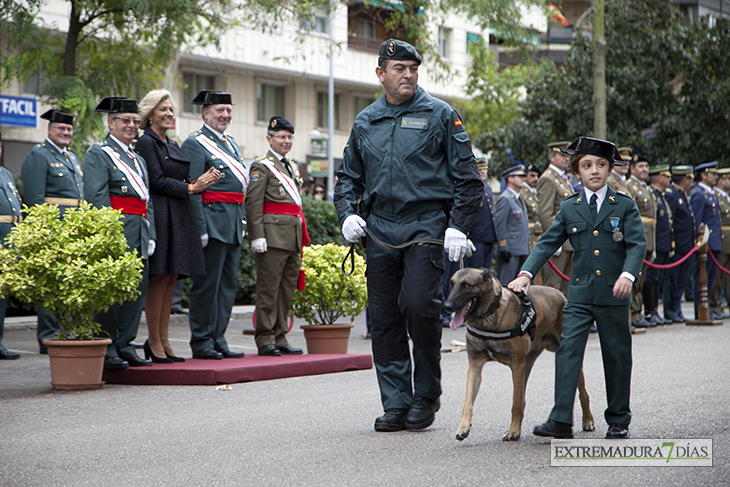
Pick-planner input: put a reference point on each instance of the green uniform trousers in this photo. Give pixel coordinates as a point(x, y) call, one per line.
point(615, 339)
point(212, 296)
point(277, 273)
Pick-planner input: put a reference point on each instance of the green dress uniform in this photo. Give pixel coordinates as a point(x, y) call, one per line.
point(9, 216)
point(552, 189)
point(724, 257)
point(220, 214)
point(102, 181)
point(277, 269)
point(54, 177)
point(598, 262)
point(647, 205)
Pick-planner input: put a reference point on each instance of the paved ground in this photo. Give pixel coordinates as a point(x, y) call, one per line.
point(318, 430)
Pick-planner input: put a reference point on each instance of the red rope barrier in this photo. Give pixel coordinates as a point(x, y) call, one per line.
point(709, 252)
point(673, 264)
point(563, 276)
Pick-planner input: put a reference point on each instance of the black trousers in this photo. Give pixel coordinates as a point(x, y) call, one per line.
point(404, 299)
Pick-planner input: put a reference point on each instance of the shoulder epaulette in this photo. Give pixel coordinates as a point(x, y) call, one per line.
point(574, 195)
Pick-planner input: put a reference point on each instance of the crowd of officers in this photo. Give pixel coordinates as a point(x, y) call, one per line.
point(208, 174)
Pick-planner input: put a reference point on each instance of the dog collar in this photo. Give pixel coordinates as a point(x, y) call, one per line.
point(493, 306)
point(525, 322)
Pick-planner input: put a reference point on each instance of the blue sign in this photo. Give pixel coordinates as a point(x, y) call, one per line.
point(18, 111)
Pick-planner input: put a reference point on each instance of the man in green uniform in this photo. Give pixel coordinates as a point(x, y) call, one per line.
point(221, 218)
point(606, 232)
point(52, 174)
point(646, 202)
point(9, 217)
point(278, 232)
point(410, 161)
point(721, 189)
point(116, 176)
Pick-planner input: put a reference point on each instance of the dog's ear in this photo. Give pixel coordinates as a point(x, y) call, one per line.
point(486, 274)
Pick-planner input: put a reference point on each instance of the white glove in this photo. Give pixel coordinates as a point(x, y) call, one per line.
point(151, 248)
point(352, 228)
point(455, 244)
point(558, 252)
point(671, 254)
point(258, 245)
point(470, 248)
point(653, 256)
point(204, 240)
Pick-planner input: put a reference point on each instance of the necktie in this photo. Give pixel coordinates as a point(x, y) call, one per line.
point(285, 161)
point(134, 159)
point(229, 145)
point(594, 205)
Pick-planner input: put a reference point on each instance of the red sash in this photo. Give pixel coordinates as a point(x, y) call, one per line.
point(129, 205)
point(294, 210)
point(222, 197)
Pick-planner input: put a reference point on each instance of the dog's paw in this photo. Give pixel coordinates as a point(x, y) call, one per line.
point(511, 436)
point(462, 435)
point(589, 425)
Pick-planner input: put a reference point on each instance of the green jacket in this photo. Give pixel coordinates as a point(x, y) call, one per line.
point(598, 260)
point(102, 179)
point(221, 221)
point(47, 173)
point(9, 201)
point(413, 167)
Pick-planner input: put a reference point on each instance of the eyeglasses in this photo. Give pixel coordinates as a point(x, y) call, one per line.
point(319, 192)
point(62, 129)
point(283, 137)
point(127, 120)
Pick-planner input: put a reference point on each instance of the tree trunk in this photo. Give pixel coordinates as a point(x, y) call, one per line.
point(599, 70)
point(72, 39)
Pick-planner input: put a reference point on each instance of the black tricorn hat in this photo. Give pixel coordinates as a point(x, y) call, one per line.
point(117, 104)
point(54, 115)
point(595, 147)
point(212, 97)
point(280, 123)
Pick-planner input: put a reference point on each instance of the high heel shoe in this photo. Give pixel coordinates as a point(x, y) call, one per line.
point(175, 358)
point(155, 360)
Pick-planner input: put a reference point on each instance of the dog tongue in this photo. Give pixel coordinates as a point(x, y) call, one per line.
point(458, 319)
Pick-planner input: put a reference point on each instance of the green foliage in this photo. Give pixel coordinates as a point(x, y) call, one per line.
point(246, 289)
point(330, 293)
point(322, 223)
point(73, 267)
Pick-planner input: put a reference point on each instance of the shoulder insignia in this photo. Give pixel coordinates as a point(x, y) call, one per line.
point(574, 195)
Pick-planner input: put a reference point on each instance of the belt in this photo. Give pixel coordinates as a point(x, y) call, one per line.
point(531, 225)
point(63, 201)
point(11, 218)
point(129, 205)
point(222, 197)
point(648, 221)
point(725, 227)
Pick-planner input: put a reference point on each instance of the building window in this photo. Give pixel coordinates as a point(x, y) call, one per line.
point(366, 28)
point(444, 42)
point(323, 110)
point(270, 101)
point(318, 21)
point(361, 102)
point(193, 84)
point(472, 38)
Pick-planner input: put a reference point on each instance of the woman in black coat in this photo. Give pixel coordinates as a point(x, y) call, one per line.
point(179, 252)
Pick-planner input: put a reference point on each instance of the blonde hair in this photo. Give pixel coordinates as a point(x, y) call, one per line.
point(150, 102)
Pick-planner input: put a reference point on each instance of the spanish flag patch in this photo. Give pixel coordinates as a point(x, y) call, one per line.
point(457, 123)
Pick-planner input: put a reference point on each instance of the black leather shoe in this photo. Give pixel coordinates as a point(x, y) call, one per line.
point(115, 363)
point(617, 431)
point(422, 412)
point(679, 318)
point(178, 310)
point(643, 324)
point(135, 361)
point(228, 353)
point(392, 420)
point(137, 345)
point(553, 429)
point(8, 355)
point(207, 353)
point(289, 350)
point(269, 351)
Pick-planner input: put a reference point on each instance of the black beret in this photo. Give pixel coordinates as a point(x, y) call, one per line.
point(280, 123)
point(532, 167)
point(399, 51)
point(117, 104)
point(639, 158)
point(58, 116)
point(212, 97)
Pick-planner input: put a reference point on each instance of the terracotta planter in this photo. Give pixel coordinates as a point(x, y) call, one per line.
point(327, 338)
point(77, 364)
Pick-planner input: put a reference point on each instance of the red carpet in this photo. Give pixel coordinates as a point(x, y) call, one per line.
point(229, 371)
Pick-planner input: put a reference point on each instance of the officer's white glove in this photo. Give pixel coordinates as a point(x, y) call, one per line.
point(558, 252)
point(470, 248)
point(671, 254)
point(653, 256)
point(258, 245)
point(204, 240)
point(455, 244)
point(352, 228)
point(151, 248)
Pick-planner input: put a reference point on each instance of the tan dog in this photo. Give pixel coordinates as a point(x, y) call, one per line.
point(477, 297)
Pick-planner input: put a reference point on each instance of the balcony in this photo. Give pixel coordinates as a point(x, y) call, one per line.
point(363, 43)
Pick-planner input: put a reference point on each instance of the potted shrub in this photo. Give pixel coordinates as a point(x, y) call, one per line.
point(329, 295)
point(74, 268)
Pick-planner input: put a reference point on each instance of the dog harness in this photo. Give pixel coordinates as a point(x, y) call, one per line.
point(526, 321)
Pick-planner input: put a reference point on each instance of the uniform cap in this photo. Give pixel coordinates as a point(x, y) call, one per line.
point(117, 104)
point(482, 164)
point(706, 167)
point(639, 158)
point(516, 170)
point(212, 97)
point(556, 146)
point(662, 169)
point(398, 50)
point(595, 147)
point(58, 116)
point(683, 171)
point(625, 153)
point(532, 167)
point(723, 171)
point(280, 123)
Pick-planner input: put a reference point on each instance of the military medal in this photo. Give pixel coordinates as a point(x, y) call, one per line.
point(617, 235)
